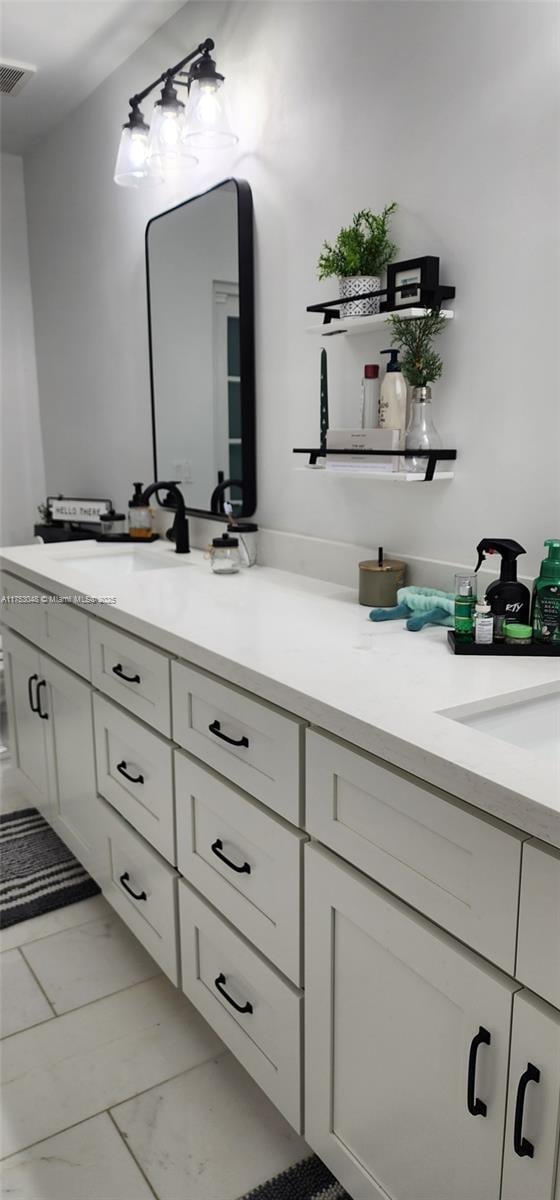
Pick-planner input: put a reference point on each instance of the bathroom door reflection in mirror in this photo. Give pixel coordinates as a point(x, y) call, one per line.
point(199, 263)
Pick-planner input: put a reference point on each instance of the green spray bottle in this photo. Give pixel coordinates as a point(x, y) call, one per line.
point(546, 597)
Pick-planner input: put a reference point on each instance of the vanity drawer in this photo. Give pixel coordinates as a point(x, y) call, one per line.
point(24, 615)
point(135, 774)
point(255, 1012)
point(246, 861)
point(54, 626)
point(133, 673)
point(66, 636)
point(539, 921)
point(250, 742)
point(459, 869)
point(133, 867)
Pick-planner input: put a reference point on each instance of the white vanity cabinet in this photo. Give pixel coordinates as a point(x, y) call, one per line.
point(28, 734)
point(53, 746)
point(407, 1043)
point(419, 984)
point(533, 1111)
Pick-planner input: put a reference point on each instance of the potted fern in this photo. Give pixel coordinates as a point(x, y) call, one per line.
point(360, 253)
point(421, 365)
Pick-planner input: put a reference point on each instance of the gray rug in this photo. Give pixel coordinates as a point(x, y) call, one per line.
point(308, 1180)
point(38, 872)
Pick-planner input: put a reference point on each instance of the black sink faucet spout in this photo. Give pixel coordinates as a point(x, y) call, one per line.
point(180, 524)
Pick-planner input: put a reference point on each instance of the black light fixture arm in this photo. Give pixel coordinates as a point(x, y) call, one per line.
point(167, 76)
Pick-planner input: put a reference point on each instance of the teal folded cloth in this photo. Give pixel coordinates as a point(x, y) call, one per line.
point(419, 607)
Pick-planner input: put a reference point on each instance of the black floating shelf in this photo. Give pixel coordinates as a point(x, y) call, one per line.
point(432, 456)
point(534, 650)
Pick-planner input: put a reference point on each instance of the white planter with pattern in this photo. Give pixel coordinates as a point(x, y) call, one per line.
point(353, 285)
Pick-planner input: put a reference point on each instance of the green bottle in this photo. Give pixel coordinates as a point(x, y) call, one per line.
point(546, 597)
point(464, 609)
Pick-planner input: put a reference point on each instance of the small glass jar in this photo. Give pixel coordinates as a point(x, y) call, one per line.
point(112, 524)
point(518, 635)
point(225, 555)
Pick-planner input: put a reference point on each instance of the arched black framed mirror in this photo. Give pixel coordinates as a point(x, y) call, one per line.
point(199, 272)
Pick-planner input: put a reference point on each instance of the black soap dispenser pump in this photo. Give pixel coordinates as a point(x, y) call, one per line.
point(507, 597)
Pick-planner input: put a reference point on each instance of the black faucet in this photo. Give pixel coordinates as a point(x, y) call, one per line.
point(180, 525)
point(217, 497)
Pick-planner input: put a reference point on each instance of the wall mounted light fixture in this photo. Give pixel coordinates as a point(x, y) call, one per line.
point(166, 146)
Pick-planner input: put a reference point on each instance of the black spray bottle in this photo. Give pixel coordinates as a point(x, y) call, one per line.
point(507, 590)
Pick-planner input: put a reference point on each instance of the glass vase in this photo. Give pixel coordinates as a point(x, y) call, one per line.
point(421, 433)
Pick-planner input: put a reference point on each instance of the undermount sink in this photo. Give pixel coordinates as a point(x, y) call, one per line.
point(530, 720)
point(121, 562)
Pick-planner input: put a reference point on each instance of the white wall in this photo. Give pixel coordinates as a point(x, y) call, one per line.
point(22, 476)
point(451, 109)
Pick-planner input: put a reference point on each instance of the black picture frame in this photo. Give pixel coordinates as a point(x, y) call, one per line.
point(246, 344)
point(424, 295)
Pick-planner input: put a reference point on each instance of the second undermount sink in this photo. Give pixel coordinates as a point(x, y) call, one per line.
point(118, 562)
point(529, 720)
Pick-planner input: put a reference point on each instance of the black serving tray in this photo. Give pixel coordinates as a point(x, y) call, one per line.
point(535, 650)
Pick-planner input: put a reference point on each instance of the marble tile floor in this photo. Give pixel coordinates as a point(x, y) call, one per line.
point(113, 1087)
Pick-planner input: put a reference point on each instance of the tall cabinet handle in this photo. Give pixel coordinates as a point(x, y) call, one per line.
point(33, 706)
point(522, 1146)
point(44, 715)
point(476, 1107)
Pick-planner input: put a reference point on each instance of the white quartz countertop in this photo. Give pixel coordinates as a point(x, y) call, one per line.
point(308, 646)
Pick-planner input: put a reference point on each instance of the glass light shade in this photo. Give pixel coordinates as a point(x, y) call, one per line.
point(167, 151)
point(207, 126)
point(131, 165)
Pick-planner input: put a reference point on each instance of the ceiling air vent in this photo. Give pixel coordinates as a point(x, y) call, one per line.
point(14, 76)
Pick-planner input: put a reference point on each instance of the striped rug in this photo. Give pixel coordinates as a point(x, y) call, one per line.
point(38, 872)
point(308, 1180)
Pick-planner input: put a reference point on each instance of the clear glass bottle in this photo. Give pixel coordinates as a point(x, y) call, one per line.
point(139, 515)
point(421, 433)
point(225, 555)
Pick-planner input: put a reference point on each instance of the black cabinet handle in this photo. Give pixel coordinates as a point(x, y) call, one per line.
point(121, 768)
point(32, 679)
point(216, 729)
point(522, 1146)
point(135, 895)
point(241, 1008)
point(476, 1107)
point(43, 715)
point(217, 848)
point(118, 670)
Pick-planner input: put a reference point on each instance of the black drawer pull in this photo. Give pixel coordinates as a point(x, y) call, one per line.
point(522, 1146)
point(216, 729)
point(135, 895)
point(121, 768)
point(241, 1008)
point(118, 670)
point(476, 1107)
point(43, 715)
point(217, 848)
point(33, 706)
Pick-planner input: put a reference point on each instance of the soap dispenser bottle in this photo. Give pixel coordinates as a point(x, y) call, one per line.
point(392, 398)
point(507, 589)
point(546, 597)
point(139, 515)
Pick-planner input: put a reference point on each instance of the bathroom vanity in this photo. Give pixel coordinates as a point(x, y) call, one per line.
point(304, 820)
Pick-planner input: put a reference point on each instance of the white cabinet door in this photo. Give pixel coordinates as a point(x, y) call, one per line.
point(533, 1116)
point(74, 808)
point(27, 730)
point(407, 1039)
